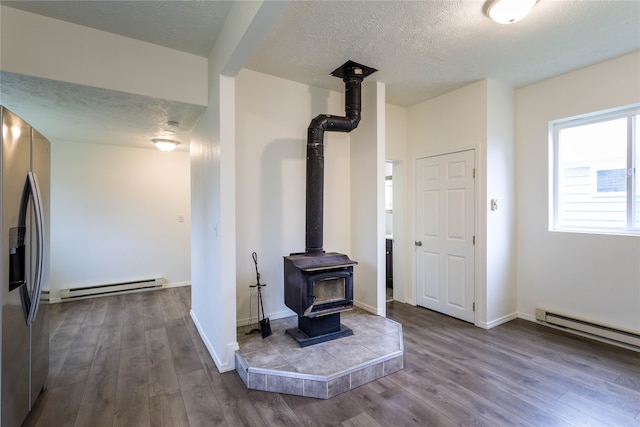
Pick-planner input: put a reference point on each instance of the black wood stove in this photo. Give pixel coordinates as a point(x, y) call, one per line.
point(318, 288)
point(318, 285)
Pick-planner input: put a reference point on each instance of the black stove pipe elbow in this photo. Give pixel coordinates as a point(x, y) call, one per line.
point(352, 74)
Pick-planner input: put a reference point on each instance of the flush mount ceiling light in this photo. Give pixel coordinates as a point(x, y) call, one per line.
point(165, 144)
point(509, 11)
point(166, 141)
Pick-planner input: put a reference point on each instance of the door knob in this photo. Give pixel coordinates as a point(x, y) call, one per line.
point(418, 243)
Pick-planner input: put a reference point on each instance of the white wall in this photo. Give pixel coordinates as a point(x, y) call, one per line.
point(454, 121)
point(114, 215)
point(213, 178)
point(592, 276)
point(367, 201)
point(273, 115)
point(396, 133)
point(501, 293)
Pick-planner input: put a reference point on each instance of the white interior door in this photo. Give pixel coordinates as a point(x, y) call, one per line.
point(444, 245)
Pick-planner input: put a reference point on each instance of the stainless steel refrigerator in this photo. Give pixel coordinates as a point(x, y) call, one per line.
point(24, 192)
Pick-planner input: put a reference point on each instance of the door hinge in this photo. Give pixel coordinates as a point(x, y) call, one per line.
point(474, 172)
point(474, 240)
point(474, 306)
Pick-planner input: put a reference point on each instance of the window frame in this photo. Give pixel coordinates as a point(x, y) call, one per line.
point(555, 127)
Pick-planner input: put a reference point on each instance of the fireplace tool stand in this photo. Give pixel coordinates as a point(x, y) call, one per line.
point(264, 324)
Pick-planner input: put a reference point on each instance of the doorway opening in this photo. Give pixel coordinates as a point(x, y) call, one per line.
point(395, 231)
point(388, 218)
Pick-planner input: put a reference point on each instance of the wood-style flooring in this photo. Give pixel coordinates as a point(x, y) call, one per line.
point(137, 360)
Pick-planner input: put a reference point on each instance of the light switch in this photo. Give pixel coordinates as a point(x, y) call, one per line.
point(494, 204)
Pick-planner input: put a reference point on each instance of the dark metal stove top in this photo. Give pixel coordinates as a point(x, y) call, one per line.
point(324, 261)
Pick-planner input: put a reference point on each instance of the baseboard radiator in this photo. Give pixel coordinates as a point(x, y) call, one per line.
point(111, 289)
point(588, 328)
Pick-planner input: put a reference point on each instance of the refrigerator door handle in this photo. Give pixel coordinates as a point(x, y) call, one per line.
point(30, 295)
point(37, 288)
point(39, 224)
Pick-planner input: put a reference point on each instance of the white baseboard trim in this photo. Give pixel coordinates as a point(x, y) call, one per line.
point(366, 307)
point(272, 316)
point(230, 350)
point(499, 321)
point(525, 316)
point(177, 284)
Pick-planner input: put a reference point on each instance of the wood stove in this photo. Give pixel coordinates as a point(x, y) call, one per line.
point(319, 285)
point(318, 288)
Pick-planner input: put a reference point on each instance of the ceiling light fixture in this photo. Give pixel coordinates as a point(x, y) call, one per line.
point(165, 144)
point(509, 11)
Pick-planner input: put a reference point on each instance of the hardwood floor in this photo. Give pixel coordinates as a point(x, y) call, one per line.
point(137, 360)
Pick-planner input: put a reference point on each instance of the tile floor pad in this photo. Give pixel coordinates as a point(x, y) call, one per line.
point(278, 364)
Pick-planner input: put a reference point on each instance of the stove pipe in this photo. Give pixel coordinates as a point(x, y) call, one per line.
point(352, 74)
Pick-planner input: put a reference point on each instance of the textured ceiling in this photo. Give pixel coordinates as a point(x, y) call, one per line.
point(70, 112)
point(422, 49)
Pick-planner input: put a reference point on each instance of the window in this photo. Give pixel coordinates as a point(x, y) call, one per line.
point(388, 187)
point(595, 184)
point(388, 194)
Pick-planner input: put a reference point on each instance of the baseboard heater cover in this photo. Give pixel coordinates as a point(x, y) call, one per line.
point(111, 289)
point(602, 332)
